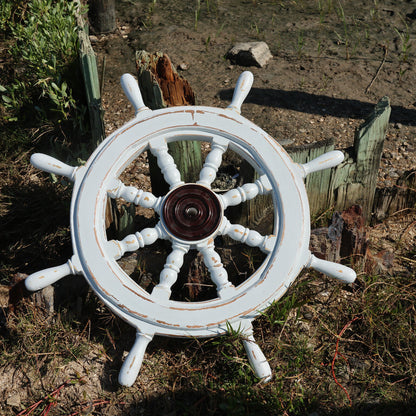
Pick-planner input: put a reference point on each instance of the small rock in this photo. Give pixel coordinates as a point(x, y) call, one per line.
point(250, 54)
point(183, 66)
point(393, 174)
point(398, 126)
point(13, 400)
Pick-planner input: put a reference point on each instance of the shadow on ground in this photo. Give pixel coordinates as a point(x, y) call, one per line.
point(212, 403)
point(320, 104)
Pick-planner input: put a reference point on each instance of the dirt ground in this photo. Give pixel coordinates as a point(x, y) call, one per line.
point(324, 77)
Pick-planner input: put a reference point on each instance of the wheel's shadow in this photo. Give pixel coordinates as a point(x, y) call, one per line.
point(320, 104)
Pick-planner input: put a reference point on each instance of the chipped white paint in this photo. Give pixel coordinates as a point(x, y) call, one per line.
point(241, 90)
point(244, 235)
point(132, 91)
point(159, 149)
point(134, 195)
point(154, 313)
point(325, 161)
point(246, 192)
point(170, 271)
point(212, 162)
point(137, 240)
point(257, 359)
point(52, 165)
point(343, 273)
point(131, 366)
point(216, 270)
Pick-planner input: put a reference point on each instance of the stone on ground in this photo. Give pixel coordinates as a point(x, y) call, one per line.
point(250, 54)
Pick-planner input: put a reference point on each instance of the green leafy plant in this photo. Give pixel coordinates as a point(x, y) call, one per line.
point(46, 49)
point(6, 10)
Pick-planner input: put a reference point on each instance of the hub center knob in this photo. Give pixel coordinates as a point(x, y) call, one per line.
point(192, 212)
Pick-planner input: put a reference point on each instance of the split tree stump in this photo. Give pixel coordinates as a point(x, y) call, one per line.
point(161, 86)
point(401, 196)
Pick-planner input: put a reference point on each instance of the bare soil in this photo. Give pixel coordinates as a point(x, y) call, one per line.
point(323, 80)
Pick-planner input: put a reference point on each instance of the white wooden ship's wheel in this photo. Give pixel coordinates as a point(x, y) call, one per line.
point(191, 216)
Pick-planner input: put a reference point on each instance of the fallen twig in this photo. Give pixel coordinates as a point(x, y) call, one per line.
point(378, 69)
point(338, 353)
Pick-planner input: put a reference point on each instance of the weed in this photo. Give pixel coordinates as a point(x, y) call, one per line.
point(374, 11)
point(300, 44)
point(278, 312)
point(7, 9)
point(207, 42)
point(345, 38)
point(197, 13)
point(254, 27)
point(404, 37)
point(31, 336)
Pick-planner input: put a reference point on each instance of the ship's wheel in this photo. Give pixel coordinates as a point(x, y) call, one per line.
point(191, 216)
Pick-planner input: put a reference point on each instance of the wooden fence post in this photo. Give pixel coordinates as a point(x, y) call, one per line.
point(354, 180)
point(318, 183)
point(91, 84)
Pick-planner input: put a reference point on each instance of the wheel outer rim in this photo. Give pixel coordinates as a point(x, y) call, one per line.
point(128, 300)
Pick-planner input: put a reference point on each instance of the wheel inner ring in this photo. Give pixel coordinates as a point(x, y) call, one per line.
point(192, 212)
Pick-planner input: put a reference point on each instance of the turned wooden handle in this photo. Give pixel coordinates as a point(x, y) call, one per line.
point(325, 161)
point(241, 90)
point(338, 271)
point(131, 366)
point(46, 277)
point(257, 360)
point(132, 91)
point(52, 165)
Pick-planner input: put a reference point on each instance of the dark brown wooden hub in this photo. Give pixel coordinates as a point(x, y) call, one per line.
point(192, 212)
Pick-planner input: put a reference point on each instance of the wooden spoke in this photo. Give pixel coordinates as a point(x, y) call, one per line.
point(134, 195)
point(135, 241)
point(159, 149)
point(246, 192)
point(216, 270)
point(170, 271)
point(212, 162)
point(250, 237)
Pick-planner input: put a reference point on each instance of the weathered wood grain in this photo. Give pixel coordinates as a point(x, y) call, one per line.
point(161, 86)
point(354, 181)
point(89, 71)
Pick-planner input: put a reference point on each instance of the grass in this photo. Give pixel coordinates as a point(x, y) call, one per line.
point(330, 347)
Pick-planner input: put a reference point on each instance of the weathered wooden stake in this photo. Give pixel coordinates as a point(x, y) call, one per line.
point(399, 197)
point(161, 86)
point(353, 181)
point(91, 83)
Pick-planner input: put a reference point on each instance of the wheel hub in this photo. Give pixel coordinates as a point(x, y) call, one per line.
point(192, 212)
